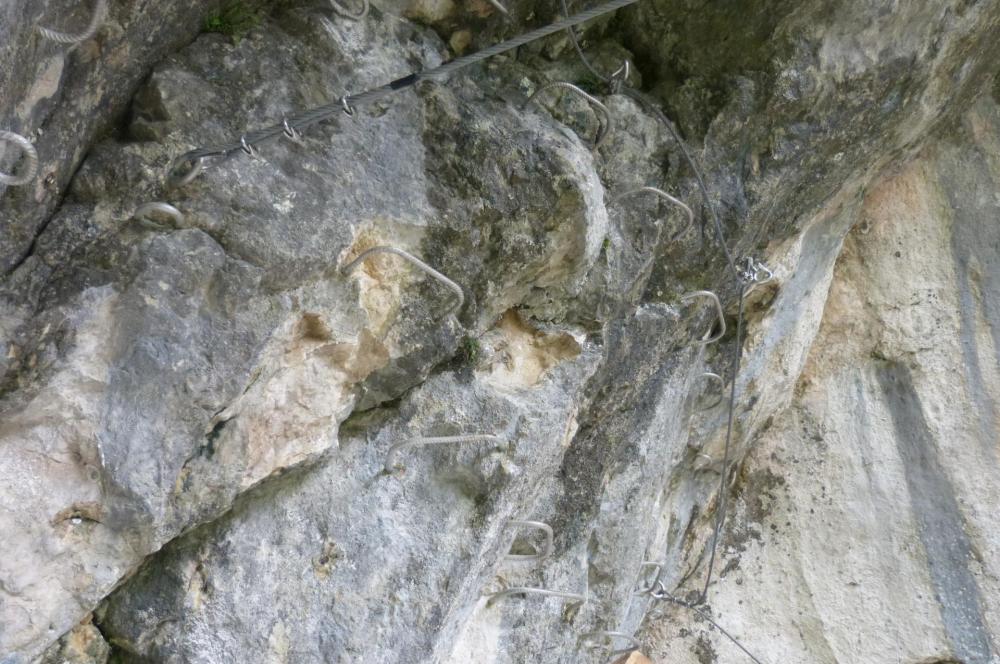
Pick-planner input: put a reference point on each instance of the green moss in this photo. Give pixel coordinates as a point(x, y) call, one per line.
point(470, 350)
point(236, 18)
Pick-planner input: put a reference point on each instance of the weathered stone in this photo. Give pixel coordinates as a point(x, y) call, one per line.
point(81, 645)
point(861, 530)
point(62, 97)
point(195, 413)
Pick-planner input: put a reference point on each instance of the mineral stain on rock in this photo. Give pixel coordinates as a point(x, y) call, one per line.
point(524, 354)
point(941, 525)
point(173, 399)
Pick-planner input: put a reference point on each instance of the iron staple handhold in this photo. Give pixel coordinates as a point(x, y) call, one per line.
point(549, 541)
point(176, 177)
point(722, 384)
point(499, 6)
point(667, 197)
point(385, 249)
point(709, 338)
point(390, 457)
point(143, 212)
point(604, 126)
point(523, 590)
point(591, 638)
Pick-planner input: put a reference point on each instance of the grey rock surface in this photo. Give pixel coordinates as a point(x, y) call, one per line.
point(195, 413)
point(863, 529)
point(62, 97)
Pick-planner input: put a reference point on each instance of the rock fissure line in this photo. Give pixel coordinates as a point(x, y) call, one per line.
point(150, 346)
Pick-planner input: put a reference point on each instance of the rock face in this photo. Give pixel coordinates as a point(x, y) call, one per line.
point(200, 413)
point(63, 96)
point(862, 529)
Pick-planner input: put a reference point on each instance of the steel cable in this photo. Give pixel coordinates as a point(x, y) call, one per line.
point(664, 595)
point(187, 166)
point(100, 13)
point(739, 278)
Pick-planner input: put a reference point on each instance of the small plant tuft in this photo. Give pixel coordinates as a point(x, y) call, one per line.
point(235, 19)
point(470, 349)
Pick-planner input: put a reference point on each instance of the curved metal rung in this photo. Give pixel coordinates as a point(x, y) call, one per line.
point(667, 197)
point(144, 212)
point(591, 640)
point(710, 462)
point(658, 565)
point(30, 158)
point(549, 542)
point(183, 170)
point(708, 338)
point(500, 7)
point(619, 76)
point(390, 458)
point(521, 590)
point(383, 249)
point(346, 13)
point(604, 127)
point(100, 13)
point(722, 385)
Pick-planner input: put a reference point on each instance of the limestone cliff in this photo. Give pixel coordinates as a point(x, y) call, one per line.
point(201, 414)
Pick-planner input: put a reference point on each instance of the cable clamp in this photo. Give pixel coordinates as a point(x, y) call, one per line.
point(756, 272)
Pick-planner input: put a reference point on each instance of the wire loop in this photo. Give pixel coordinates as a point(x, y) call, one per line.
point(29, 154)
point(722, 385)
point(346, 13)
point(100, 13)
point(658, 566)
